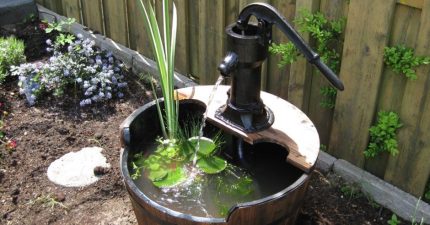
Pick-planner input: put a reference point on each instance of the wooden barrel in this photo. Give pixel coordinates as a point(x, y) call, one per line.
point(142, 126)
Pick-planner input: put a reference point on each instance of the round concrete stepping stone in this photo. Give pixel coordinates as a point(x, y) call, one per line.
point(76, 169)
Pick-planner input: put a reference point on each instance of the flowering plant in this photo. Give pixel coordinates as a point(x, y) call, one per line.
point(8, 143)
point(93, 75)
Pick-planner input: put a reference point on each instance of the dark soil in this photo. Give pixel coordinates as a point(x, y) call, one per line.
point(50, 129)
point(33, 35)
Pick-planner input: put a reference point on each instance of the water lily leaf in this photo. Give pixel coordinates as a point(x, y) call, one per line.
point(211, 165)
point(207, 146)
point(174, 177)
point(154, 166)
point(157, 175)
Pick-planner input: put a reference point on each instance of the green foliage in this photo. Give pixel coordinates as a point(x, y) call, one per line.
point(165, 167)
point(287, 51)
point(414, 216)
point(163, 47)
point(402, 60)
point(11, 53)
point(383, 135)
point(351, 191)
point(329, 94)
point(61, 26)
point(234, 185)
point(47, 201)
point(326, 34)
point(211, 165)
point(393, 220)
point(173, 177)
point(323, 148)
point(64, 39)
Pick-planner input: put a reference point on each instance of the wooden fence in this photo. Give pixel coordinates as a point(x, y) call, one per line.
point(369, 85)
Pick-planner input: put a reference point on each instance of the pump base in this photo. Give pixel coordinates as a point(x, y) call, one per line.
point(246, 122)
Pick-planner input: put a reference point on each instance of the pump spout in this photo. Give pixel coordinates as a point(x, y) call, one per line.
point(269, 15)
point(228, 64)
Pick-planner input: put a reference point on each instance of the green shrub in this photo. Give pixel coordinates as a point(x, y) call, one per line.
point(326, 33)
point(383, 135)
point(11, 53)
point(402, 60)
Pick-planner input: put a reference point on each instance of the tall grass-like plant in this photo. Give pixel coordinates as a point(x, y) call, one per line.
point(168, 165)
point(163, 47)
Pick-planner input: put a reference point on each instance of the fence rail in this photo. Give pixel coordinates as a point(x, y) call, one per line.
point(369, 86)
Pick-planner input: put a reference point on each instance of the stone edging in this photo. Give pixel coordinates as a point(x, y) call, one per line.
point(401, 203)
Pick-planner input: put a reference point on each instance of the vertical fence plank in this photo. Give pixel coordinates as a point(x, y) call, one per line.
point(410, 169)
point(231, 12)
point(301, 70)
point(115, 14)
point(277, 78)
point(215, 38)
point(92, 15)
point(392, 85)
point(321, 116)
point(210, 40)
point(72, 9)
point(194, 21)
point(54, 5)
point(202, 43)
point(182, 59)
point(139, 39)
point(366, 36)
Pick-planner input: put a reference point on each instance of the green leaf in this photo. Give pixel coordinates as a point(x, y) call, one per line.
point(206, 147)
point(173, 178)
point(211, 165)
point(157, 175)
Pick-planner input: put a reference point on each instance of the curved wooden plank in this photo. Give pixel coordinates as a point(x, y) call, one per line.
point(291, 128)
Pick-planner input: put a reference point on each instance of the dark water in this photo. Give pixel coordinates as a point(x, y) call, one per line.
point(255, 171)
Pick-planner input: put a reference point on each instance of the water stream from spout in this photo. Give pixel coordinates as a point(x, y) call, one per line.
point(205, 115)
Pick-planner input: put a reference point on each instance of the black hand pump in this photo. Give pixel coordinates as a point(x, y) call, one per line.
point(247, 48)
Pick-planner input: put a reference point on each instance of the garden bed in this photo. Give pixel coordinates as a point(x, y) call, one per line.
point(52, 128)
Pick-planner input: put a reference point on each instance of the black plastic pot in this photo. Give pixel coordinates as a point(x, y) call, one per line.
point(142, 127)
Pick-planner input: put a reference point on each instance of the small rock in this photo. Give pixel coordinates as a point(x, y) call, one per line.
point(14, 162)
point(15, 199)
point(15, 191)
point(2, 174)
point(63, 131)
point(70, 139)
point(43, 157)
point(98, 135)
point(99, 170)
point(60, 196)
point(14, 155)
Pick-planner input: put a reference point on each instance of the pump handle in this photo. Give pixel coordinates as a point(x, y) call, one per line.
point(267, 13)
